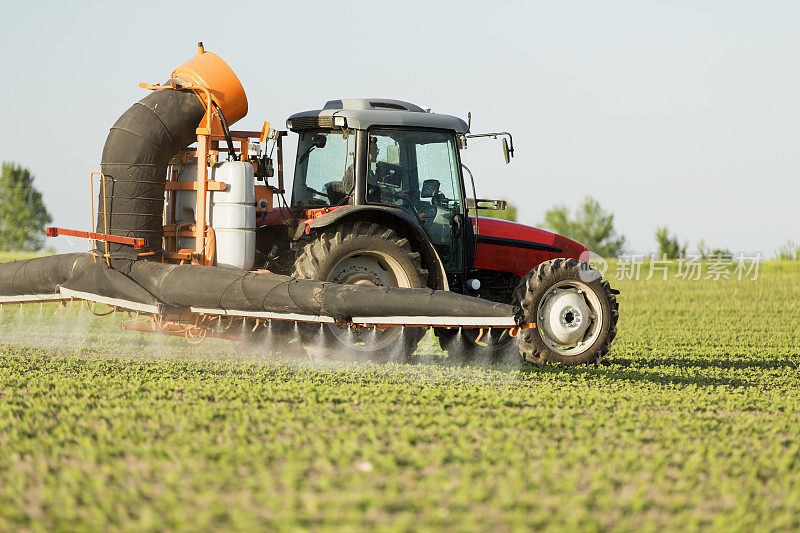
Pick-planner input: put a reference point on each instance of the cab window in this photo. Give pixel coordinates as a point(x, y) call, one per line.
point(418, 171)
point(324, 168)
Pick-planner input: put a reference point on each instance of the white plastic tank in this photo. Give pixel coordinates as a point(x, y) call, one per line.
point(233, 214)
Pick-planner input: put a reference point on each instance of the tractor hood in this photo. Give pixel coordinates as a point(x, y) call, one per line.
point(511, 247)
point(494, 227)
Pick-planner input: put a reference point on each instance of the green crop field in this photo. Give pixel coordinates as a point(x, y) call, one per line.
point(692, 424)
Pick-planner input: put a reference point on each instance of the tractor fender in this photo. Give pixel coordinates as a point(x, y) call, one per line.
point(391, 217)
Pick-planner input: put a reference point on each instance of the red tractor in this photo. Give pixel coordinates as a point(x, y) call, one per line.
point(379, 198)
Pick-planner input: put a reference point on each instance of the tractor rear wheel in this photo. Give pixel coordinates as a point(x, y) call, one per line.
point(362, 253)
point(574, 309)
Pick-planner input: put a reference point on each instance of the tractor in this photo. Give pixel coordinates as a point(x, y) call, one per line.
point(379, 197)
point(381, 240)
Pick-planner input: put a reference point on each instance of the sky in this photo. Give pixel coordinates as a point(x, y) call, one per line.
point(679, 113)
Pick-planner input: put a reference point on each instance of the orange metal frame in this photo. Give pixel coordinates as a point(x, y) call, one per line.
point(207, 151)
point(136, 243)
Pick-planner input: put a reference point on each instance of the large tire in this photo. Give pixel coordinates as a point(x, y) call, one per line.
point(575, 312)
point(369, 254)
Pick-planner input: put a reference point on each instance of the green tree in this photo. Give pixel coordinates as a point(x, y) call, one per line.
point(509, 213)
point(23, 215)
point(590, 225)
point(788, 252)
point(668, 246)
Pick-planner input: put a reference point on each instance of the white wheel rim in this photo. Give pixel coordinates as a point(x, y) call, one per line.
point(569, 317)
point(367, 268)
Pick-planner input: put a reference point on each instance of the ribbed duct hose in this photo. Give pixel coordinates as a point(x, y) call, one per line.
point(41, 275)
point(181, 286)
point(134, 162)
point(234, 289)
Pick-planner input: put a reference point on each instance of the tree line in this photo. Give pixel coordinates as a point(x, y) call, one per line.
point(591, 225)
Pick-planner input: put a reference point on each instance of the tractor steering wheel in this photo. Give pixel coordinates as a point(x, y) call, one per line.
point(420, 217)
point(410, 204)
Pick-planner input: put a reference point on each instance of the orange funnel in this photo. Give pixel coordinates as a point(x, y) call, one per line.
point(208, 70)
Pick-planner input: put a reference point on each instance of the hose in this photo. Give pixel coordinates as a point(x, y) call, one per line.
point(134, 161)
point(226, 131)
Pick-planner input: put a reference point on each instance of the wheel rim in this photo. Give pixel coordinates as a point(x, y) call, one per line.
point(569, 317)
point(367, 268)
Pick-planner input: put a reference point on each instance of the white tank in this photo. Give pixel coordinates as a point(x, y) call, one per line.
point(233, 214)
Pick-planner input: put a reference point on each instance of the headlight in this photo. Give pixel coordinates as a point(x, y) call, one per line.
point(288, 124)
point(340, 122)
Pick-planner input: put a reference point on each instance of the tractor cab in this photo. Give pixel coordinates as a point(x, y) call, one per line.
point(391, 156)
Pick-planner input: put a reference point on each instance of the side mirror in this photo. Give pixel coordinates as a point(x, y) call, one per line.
point(508, 142)
point(480, 203)
point(507, 153)
point(320, 140)
point(429, 188)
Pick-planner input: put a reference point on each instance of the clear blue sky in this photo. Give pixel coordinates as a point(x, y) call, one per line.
point(682, 113)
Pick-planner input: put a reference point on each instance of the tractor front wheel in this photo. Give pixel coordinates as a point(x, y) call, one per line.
point(574, 309)
point(362, 254)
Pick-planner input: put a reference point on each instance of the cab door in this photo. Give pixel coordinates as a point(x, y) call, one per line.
point(418, 171)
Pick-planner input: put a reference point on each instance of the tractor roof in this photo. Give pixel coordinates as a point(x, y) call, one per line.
point(361, 114)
